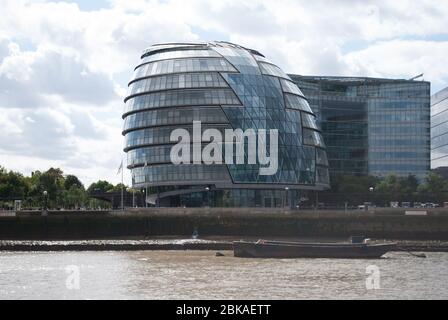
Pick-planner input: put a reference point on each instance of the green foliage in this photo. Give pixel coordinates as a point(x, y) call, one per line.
point(435, 189)
point(357, 190)
point(67, 191)
point(64, 191)
point(12, 184)
point(100, 186)
point(71, 180)
point(118, 188)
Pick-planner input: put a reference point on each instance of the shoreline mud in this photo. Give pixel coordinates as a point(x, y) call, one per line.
point(179, 244)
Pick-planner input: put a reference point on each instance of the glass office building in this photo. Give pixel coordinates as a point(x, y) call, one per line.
point(225, 86)
point(372, 126)
point(439, 130)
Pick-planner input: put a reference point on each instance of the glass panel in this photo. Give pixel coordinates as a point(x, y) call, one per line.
point(187, 173)
point(309, 121)
point(260, 58)
point(182, 98)
point(183, 65)
point(184, 115)
point(321, 157)
point(272, 70)
point(313, 138)
point(160, 135)
point(179, 54)
point(322, 175)
point(177, 81)
point(174, 46)
point(297, 102)
point(291, 87)
point(149, 155)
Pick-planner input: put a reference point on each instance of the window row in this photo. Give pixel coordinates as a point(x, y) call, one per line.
point(313, 138)
point(399, 117)
point(405, 168)
point(296, 102)
point(174, 116)
point(439, 152)
point(404, 142)
point(439, 107)
point(309, 121)
point(183, 65)
point(281, 177)
point(160, 135)
point(297, 166)
point(290, 87)
point(178, 81)
point(292, 158)
point(167, 173)
point(439, 118)
point(439, 141)
point(260, 58)
point(272, 70)
point(403, 155)
point(441, 162)
point(408, 129)
point(321, 157)
point(180, 54)
point(149, 155)
point(182, 98)
point(322, 175)
point(173, 46)
point(439, 130)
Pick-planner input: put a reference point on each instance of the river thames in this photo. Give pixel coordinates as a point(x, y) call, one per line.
point(202, 275)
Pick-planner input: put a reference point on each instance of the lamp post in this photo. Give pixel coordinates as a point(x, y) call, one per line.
point(371, 190)
point(286, 197)
point(45, 194)
point(144, 191)
point(208, 196)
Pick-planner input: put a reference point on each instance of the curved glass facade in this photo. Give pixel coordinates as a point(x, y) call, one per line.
point(225, 86)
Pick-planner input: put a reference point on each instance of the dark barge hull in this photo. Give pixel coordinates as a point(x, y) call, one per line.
point(275, 249)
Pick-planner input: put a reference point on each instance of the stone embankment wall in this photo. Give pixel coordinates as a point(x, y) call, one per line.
point(381, 223)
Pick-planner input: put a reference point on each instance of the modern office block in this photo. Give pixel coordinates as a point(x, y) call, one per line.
point(439, 130)
point(372, 126)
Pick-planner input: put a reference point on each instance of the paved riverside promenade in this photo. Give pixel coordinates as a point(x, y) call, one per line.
point(147, 223)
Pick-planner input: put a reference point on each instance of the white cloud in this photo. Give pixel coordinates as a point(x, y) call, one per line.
point(64, 71)
point(402, 59)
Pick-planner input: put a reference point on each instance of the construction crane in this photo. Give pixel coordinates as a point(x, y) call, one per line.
point(416, 77)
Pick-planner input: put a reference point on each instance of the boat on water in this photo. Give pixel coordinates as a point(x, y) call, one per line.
point(285, 249)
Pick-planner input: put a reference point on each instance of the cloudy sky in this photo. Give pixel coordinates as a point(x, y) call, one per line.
point(64, 65)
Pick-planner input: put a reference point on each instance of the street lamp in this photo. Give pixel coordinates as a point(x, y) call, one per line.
point(371, 189)
point(144, 191)
point(208, 196)
point(286, 196)
point(45, 194)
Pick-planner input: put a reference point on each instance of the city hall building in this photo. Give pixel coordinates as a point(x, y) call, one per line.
point(376, 126)
point(223, 86)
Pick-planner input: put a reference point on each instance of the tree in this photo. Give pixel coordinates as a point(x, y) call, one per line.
point(71, 180)
point(352, 190)
point(75, 197)
point(117, 188)
point(435, 189)
point(100, 186)
point(12, 184)
point(51, 181)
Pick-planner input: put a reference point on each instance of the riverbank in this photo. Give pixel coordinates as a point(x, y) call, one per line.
point(399, 224)
point(184, 244)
